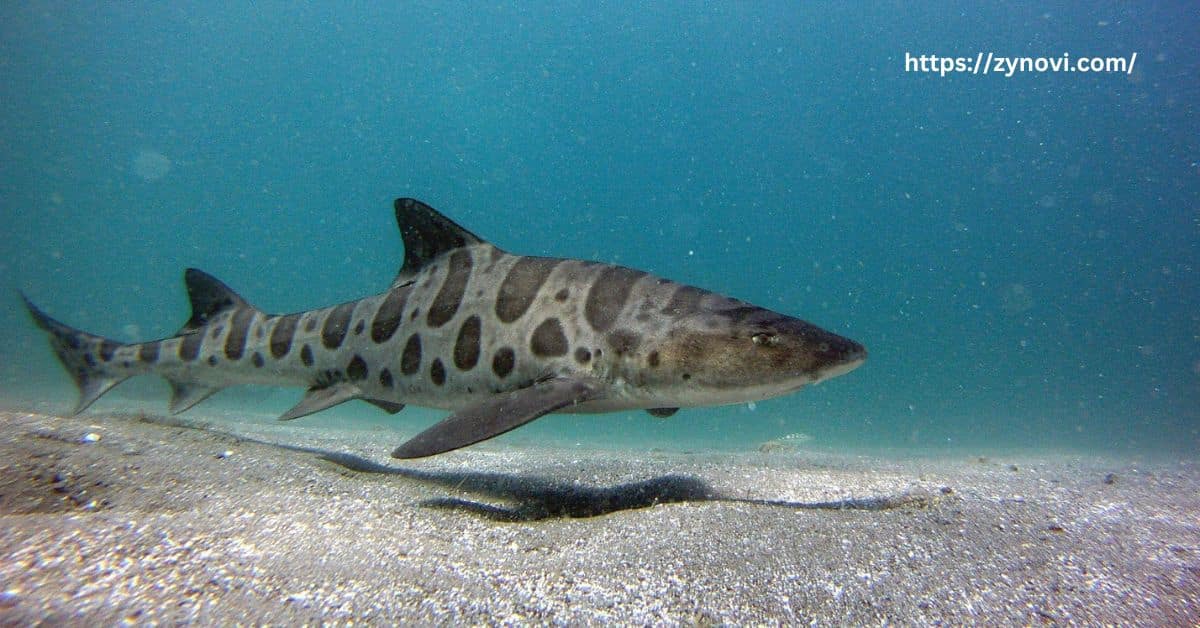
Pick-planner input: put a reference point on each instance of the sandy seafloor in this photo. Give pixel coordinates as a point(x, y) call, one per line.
point(161, 520)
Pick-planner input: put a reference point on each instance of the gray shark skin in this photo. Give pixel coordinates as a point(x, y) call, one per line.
point(498, 339)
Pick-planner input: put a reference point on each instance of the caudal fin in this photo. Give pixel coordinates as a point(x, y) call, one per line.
point(84, 355)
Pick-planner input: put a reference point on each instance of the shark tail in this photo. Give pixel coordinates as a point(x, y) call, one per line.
point(85, 356)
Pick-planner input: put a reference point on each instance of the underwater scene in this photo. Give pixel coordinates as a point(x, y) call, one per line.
point(635, 313)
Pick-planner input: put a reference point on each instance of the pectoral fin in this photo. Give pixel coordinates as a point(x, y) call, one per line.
point(497, 415)
point(183, 395)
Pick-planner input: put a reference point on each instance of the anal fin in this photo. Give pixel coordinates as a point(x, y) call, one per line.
point(497, 415)
point(91, 388)
point(185, 395)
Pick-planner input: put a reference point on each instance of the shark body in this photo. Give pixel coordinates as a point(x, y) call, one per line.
point(498, 339)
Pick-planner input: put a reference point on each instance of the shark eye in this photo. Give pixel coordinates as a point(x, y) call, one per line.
point(764, 339)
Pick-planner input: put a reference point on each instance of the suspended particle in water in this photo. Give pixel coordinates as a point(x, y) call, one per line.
point(151, 165)
point(1015, 298)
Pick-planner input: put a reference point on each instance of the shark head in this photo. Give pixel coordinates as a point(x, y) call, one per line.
point(740, 353)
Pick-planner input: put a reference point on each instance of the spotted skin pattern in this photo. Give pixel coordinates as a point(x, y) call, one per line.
point(466, 322)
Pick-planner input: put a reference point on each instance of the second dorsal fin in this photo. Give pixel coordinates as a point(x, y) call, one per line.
point(427, 234)
point(209, 297)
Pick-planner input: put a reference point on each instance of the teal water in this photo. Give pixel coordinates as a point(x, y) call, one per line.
point(1019, 254)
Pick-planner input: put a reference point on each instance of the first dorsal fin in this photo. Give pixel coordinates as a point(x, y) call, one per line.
point(209, 297)
point(427, 234)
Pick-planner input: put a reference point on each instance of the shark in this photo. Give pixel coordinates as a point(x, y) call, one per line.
point(496, 338)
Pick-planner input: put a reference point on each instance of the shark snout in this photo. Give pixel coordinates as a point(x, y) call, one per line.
point(839, 356)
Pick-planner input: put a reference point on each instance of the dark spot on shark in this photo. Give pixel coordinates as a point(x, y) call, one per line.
point(521, 285)
point(239, 328)
point(652, 359)
point(216, 331)
point(357, 369)
point(466, 346)
point(336, 325)
point(212, 360)
point(90, 359)
point(562, 295)
point(258, 331)
point(548, 339)
point(449, 297)
point(387, 318)
point(685, 301)
point(281, 336)
point(410, 359)
point(189, 347)
point(608, 295)
point(310, 325)
point(385, 378)
point(582, 355)
point(257, 359)
point(739, 314)
point(306, 355)
point(416, 313)
point(437, 372)
point(624, 341)
point(687, 376)
point(359, 326)
point(107, 349)
point(148, 352)
point(503, 362)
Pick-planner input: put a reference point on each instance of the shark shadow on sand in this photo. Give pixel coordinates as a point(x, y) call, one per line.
point(535, 498)
point(528, 498)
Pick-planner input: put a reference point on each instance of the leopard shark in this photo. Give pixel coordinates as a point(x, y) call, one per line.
point(496, 338)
